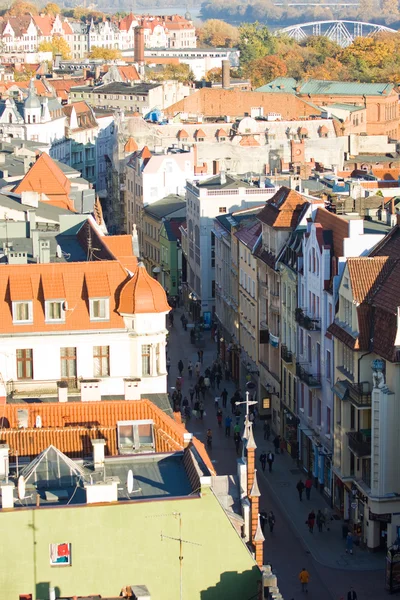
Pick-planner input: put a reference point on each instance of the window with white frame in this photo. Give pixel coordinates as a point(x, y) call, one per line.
point(55, 310)
point(22, 312)
point(135, 436)
point(99, 309)
point(101, 361)
point(146, 359)
point(348, 359)
point(347, 312)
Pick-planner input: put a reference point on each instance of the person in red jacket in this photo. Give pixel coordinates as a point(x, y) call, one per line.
point(308, 487)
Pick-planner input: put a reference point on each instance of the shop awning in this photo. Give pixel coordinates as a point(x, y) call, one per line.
point(341, 389)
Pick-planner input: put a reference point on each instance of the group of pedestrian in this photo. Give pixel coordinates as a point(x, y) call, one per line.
point(304, 486)
point(267, 458)
point(267, 518)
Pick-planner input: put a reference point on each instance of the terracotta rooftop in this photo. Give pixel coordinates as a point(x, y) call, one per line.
point(221, 133)
point(47, 179)
point(248, 140)
point(182, 134)
point(71, 426)
point(131, 145)
point(142, 294)
point(366, 274)
point(284, 209)
point(199, 134)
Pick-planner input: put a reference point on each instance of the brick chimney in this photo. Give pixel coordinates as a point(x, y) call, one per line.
point(139, 46)
point(226, 74)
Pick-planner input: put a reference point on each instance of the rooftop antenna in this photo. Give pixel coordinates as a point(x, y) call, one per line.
point(129, 484)
point(181, 542)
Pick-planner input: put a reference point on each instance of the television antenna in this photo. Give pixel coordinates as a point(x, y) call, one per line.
point(178, 515)
point(129, 484)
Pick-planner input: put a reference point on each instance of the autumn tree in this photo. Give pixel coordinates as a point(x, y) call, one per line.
point(256, 41)
point(181, 72)
point(58, 45)
point(390, 10)
point(105, 53)
point(52, 9)
point(265, 69)
point(20, 7)
point(24, 75)
point(214, 75)
point(218, 33)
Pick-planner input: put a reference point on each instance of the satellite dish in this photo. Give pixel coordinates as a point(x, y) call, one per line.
point(129, 482)
point(21, 487)
point(38, 422)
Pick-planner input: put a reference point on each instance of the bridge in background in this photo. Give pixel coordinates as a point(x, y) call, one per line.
point(341, 32)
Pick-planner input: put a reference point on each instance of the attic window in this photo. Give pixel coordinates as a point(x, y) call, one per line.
point(22, 312)
point(99, 309)
point(135, 436)
point(55, 310)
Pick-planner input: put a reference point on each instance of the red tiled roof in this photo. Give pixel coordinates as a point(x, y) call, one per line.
point(343, 336)
point(131, 145)
point(47, 179)
point(366, 274)
point(20, 288)
point(97, 285)
point(284, 209)
point(221, 133)
point(248, 140)
point(199, 134)
point(182, 134)
point(53, 285)
point(142, 294)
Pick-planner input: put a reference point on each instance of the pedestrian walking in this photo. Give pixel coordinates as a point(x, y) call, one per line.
point(263, 460)
point(212, 379)
point(304, 577)
point(196, 409)
point(308, 487)
point(349, 543)
point(168, 364)
point(197, 369)
point(171, 319)
point(209, 439)
point(271, 521)
point(207, 383)
point(201, 353)
point(270, 460)
point(203, 390)
point(216, 403)
point(183, 318)
point(237, 440)
point(180, 367)
point(277, 443)
point(267, 430)
point(263, 519)
point(300, 489)
point(320, 520)
point(190, 369)
point(219, 417)
point(197, 391)
point(233, 404)
point(224, 396)
point(352, 594)
point(201, 409)
point(178, 384)
point(218, 380)
point(228, 423)
point(191, 393)
point(311, 521)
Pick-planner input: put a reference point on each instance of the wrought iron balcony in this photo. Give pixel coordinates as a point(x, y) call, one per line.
point(286, 355)
point(359, 394)
point(309, 323)
point(303, 372)
point(360, 442)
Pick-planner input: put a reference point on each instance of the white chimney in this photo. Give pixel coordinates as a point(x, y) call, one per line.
point(102, 491)
point(132, 389)
point(98, 453)
point(7, 495)
point(4, 461)
point(222, 177)
point(62, 391)
point(90, 390)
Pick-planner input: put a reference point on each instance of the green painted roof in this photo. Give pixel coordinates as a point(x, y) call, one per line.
point(318, 86)
point(341, 106)
point(280, 84)
point(315, 86)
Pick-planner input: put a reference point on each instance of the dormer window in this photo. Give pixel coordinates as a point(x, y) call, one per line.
point(99, 309)
point(55, 310)
point(22, 312)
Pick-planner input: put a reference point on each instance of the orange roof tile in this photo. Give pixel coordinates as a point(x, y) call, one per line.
point(182, 134)
point(284, 209)
point(142, 294)
point(248, 140)
point(46, 178)
point(199, 134)
point(221, 133)
point(131, 145)
point(97, 285)
point(20, 288)
point(366, 274)
point(53, 286)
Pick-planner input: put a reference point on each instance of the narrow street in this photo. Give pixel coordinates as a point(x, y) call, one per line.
point(290, 547)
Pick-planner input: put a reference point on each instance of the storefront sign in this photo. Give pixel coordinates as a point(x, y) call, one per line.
point(384, 518)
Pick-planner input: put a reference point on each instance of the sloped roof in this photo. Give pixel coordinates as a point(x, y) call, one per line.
point(337, 225)
point(131, 145)
point(248, 140)
point(344, 88)
point(249, 234)
point(284, 209)
point(142, 294)
point(53, 465)
point(45, 177)
point(366, 275)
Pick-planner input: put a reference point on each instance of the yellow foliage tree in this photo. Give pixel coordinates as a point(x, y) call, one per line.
point(58, 45)
point(20, 7)
point(218, 33)
point(105, 53)
point(52, 9)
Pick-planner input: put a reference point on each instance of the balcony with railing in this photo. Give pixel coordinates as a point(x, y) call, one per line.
point(360, 442)
point(304, 320)
point(304, 373)
point(286, 355)
point(359, 394)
